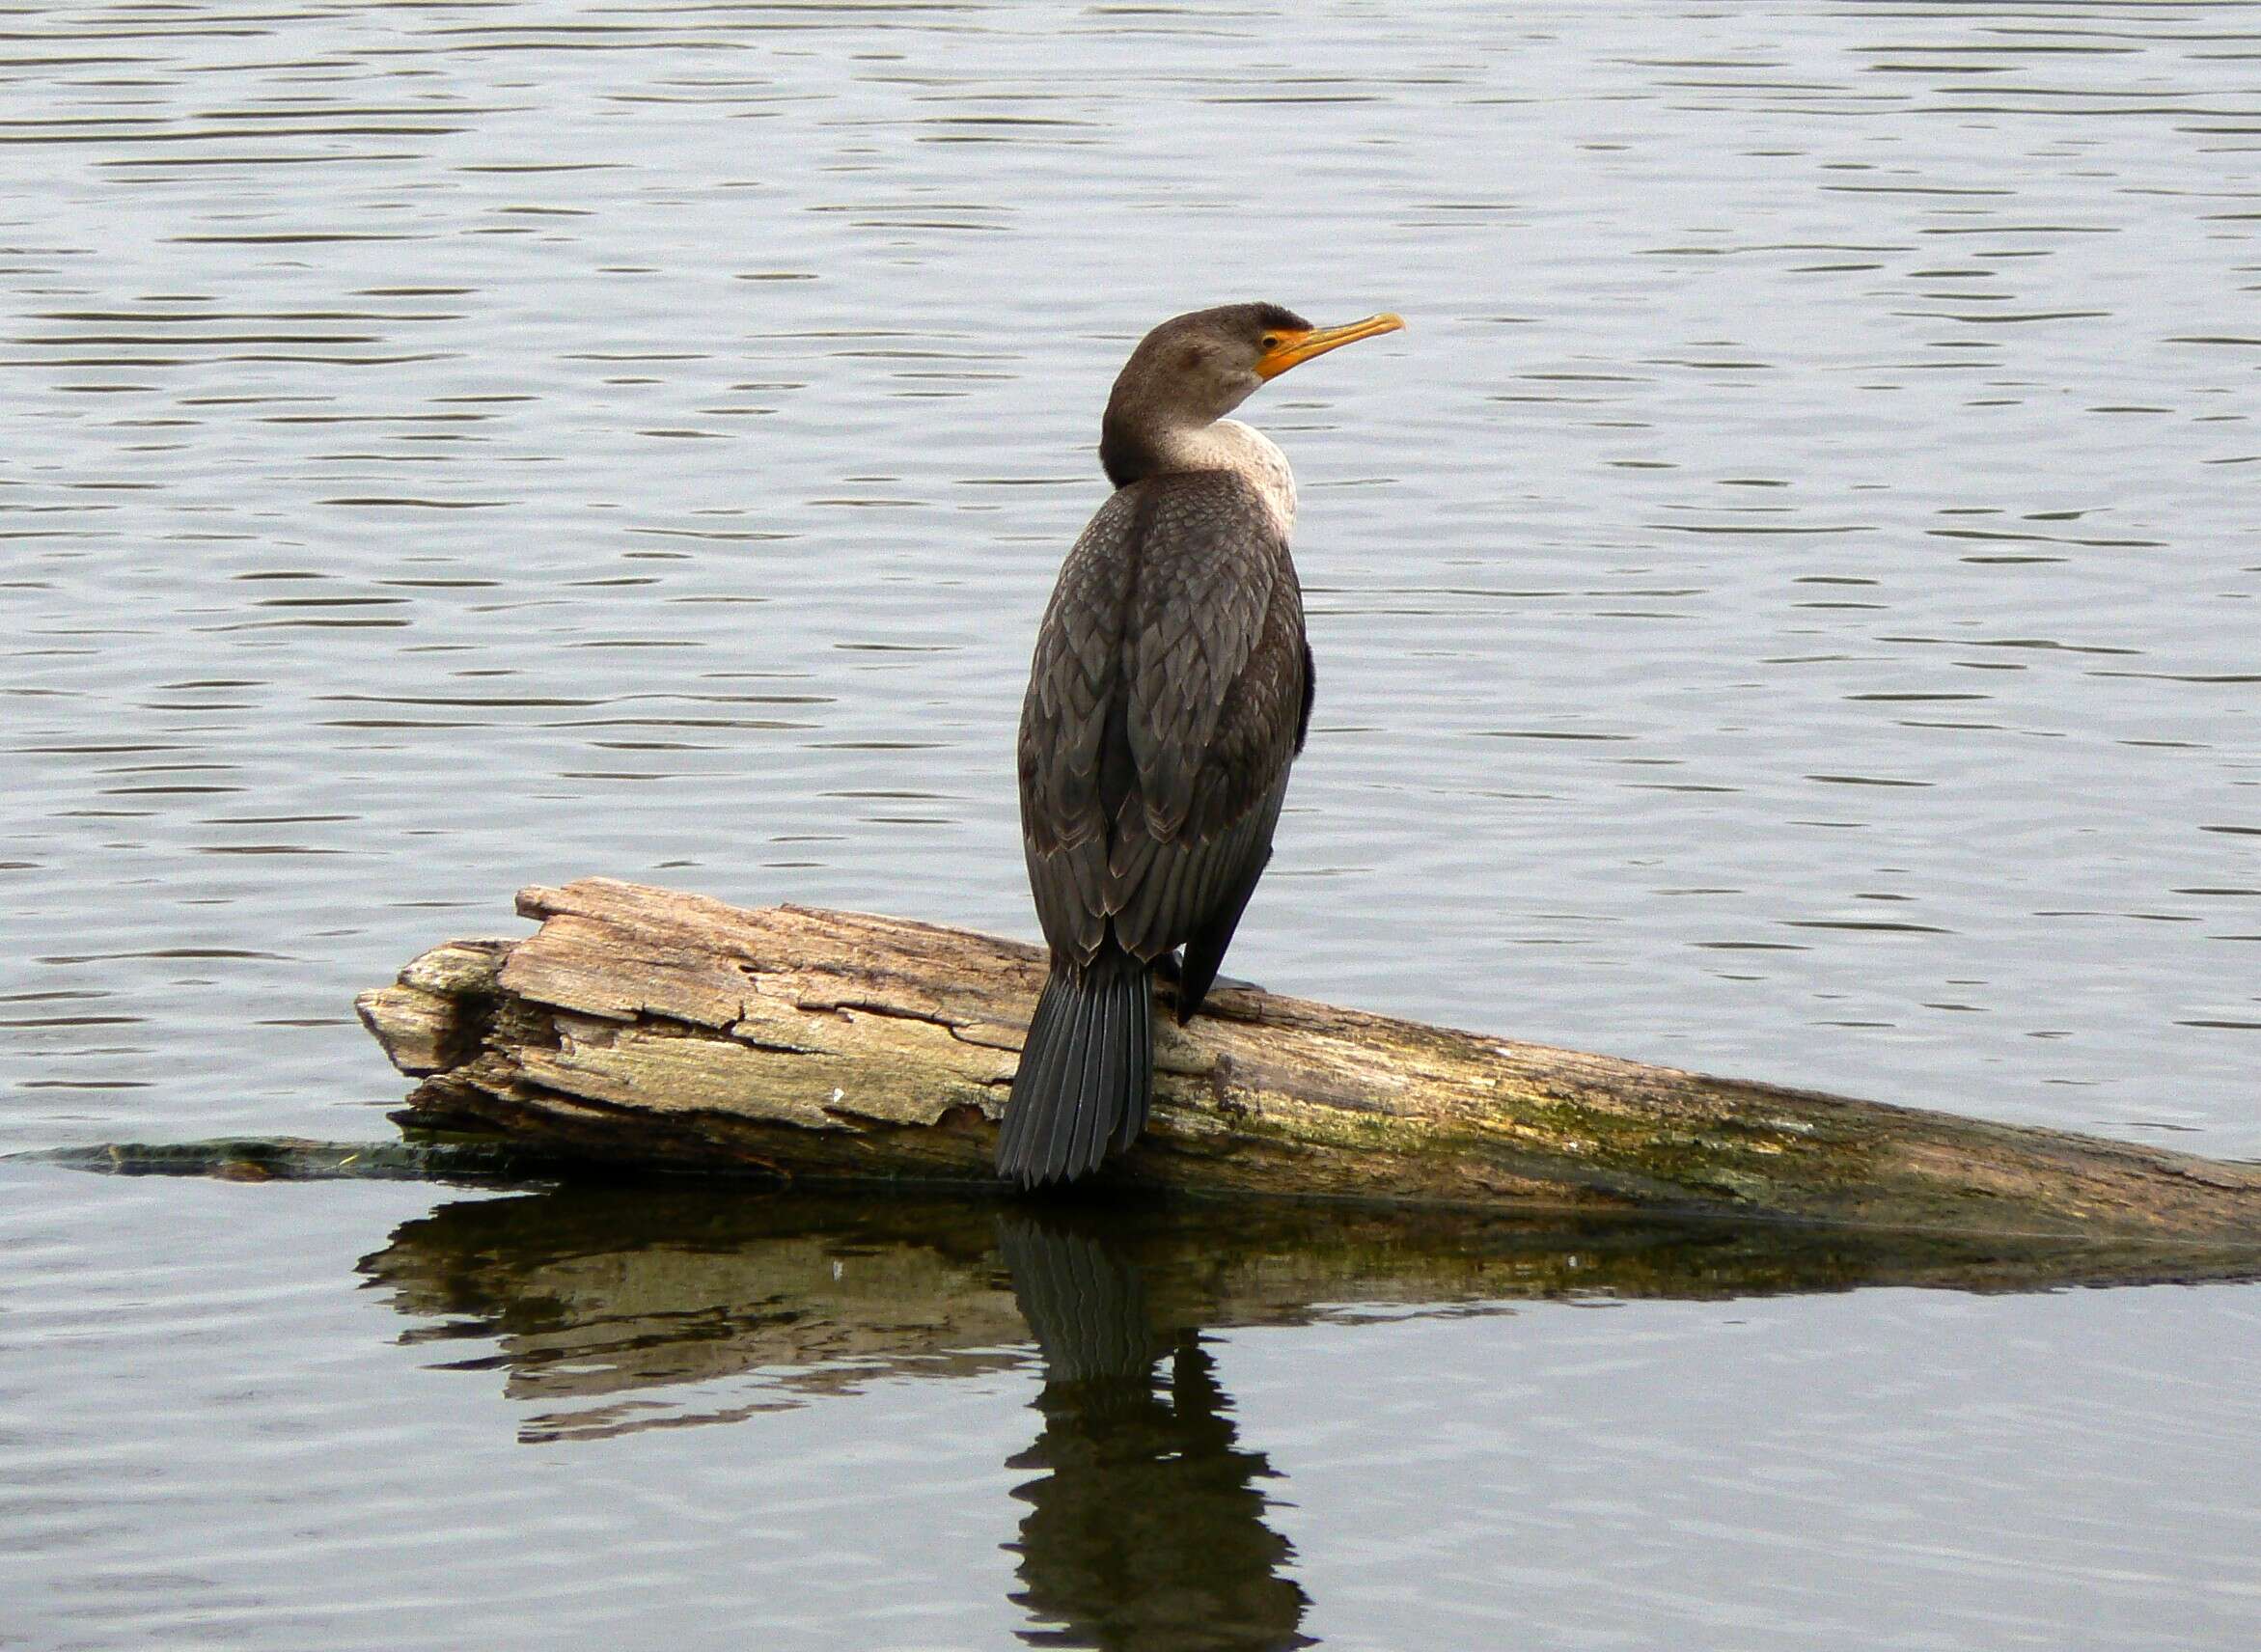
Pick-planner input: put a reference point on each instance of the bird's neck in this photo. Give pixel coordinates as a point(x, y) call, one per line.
point(1226, 445)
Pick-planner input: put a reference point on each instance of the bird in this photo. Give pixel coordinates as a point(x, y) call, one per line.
point(1170, 693)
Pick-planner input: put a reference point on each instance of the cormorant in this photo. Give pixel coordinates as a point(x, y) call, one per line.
point(1170, 690)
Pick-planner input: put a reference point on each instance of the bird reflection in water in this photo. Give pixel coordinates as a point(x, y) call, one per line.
point(609, 1311)
point(1145, 1523)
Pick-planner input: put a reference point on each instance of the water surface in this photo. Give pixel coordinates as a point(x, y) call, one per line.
point(1786, 606)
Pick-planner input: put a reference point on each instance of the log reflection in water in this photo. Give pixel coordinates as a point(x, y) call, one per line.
point(615, 1294)
point(619, 1308)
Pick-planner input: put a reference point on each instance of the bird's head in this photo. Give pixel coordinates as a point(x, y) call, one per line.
point(1205, 364)
point(1195, 369)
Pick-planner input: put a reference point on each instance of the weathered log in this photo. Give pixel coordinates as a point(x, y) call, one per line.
point(645, 1028)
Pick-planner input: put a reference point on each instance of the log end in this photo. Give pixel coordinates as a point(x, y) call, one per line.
point(436, 1014)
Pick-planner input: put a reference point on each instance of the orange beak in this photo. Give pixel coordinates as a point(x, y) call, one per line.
point(1295, 349)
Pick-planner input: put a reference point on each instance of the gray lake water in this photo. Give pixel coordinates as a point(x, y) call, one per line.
point(1787, 605)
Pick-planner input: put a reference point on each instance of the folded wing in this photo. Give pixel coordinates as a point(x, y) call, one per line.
point(1166, 704)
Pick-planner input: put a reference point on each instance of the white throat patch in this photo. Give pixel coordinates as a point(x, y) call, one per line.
point(1230, 445)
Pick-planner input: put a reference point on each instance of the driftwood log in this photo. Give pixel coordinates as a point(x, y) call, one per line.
point(641, 1028)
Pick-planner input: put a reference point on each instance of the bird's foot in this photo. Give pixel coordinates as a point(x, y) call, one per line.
point(1171, 967)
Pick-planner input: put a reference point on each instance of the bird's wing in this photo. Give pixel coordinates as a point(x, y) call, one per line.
point(1208, 559)
point(1075, 694)
point(1152, 771)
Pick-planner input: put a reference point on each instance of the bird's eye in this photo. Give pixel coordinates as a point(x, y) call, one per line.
point(1271, 340)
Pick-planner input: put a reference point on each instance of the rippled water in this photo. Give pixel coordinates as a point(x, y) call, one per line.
point(700, 1420)
point(1786, 606)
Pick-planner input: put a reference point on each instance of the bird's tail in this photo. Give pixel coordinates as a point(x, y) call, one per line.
point(1085, 1073)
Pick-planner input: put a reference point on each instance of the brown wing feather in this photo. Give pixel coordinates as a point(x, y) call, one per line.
point(1163, 709)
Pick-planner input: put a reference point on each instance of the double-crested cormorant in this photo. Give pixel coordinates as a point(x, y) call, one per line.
point(1171, 691)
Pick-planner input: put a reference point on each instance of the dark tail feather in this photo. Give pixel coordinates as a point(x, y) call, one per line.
point(1086, 1071)
point(1139, 1048)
